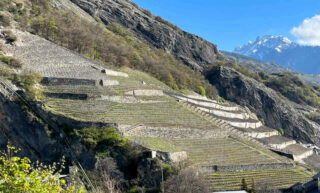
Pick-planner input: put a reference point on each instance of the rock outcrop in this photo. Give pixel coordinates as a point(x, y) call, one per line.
point(265, 102)
point(155, 31)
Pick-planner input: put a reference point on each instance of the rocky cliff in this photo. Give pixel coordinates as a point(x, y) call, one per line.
point(27, 132)
point(155, 31)
point(265, 102)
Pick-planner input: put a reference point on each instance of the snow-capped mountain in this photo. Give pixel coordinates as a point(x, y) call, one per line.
point(285, 52)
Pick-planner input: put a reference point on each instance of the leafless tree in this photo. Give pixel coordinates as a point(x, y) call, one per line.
point(187, 181)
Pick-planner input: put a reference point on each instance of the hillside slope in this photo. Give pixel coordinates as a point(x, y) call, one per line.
point(155, 31)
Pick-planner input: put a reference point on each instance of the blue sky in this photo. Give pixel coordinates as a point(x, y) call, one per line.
point(231, 23)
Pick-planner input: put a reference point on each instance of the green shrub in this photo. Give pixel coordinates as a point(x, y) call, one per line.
point(281, 131)
point(135, 189)
point(15, 63)
point(262, 121)
point(110, 137)
point(202, 91)
point(19, 175)
point(30, 82)
point(4, 20)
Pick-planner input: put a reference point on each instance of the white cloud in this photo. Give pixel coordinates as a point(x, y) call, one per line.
point(308, 33)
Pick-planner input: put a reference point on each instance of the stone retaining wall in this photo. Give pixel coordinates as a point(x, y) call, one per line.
point(245, 124)
point(173, 133)
point(237, 168)
point(303, 155)
point(66, 96)
point(126, 99)
point(145, 93)
point(225, 113)
point(209, 104)
point(108, 82)
point(260, 135)
point(282, 145)
point(68, 81)
point(114, 73)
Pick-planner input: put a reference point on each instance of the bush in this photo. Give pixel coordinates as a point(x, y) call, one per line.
point(30, 82)
point(281, 131)
point(202, 91)
point(15, 63)
point(4, 20)
point(19, 175)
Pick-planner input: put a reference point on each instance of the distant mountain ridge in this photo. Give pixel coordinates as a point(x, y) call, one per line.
point(283, 51)
point(257, 65)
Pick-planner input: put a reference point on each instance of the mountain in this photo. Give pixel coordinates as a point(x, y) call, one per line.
point(153, 30)
point(102, 85)
point(283, 51)
point(257, 65)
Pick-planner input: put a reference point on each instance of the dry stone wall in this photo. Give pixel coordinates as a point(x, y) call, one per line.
point(145, 93)
point(66, 96)
point(50, 81)
point(237, 168)
point(172, 133)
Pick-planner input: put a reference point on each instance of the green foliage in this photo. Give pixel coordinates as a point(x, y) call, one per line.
point(108, 137)
point(262, 121)
point(30, 82)
point(202, 91)
point(19, 175)
point(294, 89)
point(281, 131)
point(135, 189)
point(11, 61)
point(4, 20)
point(169, 170)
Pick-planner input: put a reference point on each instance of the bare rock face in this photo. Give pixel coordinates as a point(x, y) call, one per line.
point(265, 102)
point(26, 132)
point(189, 48)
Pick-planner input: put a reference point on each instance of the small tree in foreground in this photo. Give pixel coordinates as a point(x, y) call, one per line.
point(18, 175)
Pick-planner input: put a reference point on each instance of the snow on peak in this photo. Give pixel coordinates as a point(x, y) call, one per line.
point(263, 43)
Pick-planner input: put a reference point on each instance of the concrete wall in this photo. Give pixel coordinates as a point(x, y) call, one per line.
point(68, 81)
point(145, 93)
point(172, 133)
point(114, 73)
point(235, 168)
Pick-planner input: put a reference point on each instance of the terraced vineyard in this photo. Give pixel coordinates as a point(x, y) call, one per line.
point(275, 178)
point(158, 114)
point(224, 151)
